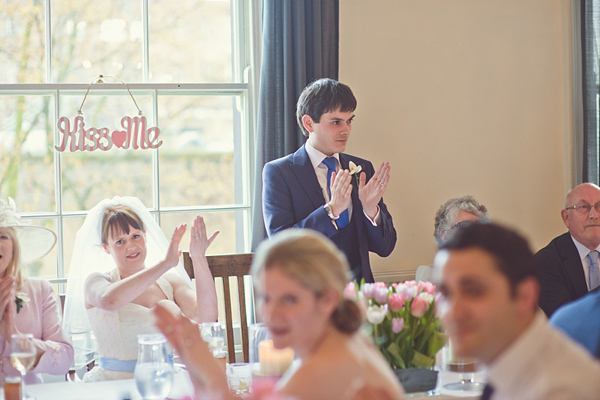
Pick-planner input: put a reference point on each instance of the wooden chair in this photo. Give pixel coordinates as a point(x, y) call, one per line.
point(225, 266)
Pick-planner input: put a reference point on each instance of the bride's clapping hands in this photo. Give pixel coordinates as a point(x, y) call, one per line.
point(199, 241)
point(173, 253)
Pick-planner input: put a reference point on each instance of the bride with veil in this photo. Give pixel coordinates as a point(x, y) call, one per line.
point(122, 266)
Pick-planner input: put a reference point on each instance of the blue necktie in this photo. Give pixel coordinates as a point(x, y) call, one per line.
point(331, 163)
point(594, 274)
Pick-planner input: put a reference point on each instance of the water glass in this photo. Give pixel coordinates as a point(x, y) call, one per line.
point(213, 334)
point(154, 371)
point(239, 377)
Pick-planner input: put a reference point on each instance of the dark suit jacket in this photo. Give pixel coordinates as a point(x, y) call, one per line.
point(561, 274)
point(292, 197)
point(581, 321)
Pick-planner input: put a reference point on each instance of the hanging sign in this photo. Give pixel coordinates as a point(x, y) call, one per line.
point(133, 133)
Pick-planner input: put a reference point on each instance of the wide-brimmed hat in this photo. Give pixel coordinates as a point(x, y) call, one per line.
point(35, 241)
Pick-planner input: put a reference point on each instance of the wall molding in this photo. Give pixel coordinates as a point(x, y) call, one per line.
point(395, 276)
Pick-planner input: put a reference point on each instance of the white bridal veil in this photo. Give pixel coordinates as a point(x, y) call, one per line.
point(88, 257)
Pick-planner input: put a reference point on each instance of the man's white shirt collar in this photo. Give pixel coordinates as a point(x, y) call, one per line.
point(582, 249)
point(316, 157)
point(583, 252)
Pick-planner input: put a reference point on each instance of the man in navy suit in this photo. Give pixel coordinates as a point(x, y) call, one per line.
point(314, 187)
point(567, 270)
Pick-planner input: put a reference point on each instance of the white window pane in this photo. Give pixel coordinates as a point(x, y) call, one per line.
point(96, 37)
point(26, 153)
point(197, 156)
point(91, 176)
point(190, 41)
point(22, 33)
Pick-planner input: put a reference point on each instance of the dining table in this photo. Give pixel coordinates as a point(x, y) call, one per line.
point(182, 389)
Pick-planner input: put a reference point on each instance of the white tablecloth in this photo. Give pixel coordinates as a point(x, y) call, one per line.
point(182, 387)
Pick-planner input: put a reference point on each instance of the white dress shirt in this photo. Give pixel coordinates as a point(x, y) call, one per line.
point(583, 252)
point(544, 364)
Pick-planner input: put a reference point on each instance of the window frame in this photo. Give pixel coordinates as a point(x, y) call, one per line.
point(245, 17)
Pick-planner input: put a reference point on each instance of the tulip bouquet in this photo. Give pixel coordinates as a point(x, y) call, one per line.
point(402, 320)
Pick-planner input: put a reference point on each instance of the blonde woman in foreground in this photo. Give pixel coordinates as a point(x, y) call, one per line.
point(299, 277)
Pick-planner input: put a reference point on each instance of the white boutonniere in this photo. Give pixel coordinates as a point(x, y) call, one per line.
point(21, 299)
point(355, 170)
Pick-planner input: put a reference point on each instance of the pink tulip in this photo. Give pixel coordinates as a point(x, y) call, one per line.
point(376, 314)
point(396, 302)
point(409, 292)
point(427, 287)
point(418, 307)
point(380, 285)
point(381, 295)
point(397, 325)
point(410, 283)
point(350, 291)
point(368, 290)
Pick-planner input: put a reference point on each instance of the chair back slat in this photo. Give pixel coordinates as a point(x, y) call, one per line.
point(225, 266)
point(243, 317)
point(228, 320)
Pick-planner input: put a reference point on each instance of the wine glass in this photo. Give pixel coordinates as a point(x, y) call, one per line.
point(22, 355)
point(153, 371)
point(465, 369)
point(214, 335)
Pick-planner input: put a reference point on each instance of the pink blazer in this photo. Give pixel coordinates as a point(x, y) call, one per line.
point(41, 317)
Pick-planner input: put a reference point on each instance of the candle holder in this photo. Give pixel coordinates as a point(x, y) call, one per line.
point(267, 362)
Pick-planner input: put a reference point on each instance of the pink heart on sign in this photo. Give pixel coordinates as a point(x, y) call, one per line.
point(118, 138)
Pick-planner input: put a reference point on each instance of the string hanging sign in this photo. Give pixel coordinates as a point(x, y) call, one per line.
point(133, 132)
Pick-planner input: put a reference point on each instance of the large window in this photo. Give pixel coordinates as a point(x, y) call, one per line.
point(188, 65)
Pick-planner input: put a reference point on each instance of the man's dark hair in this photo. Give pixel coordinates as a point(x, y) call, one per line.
point(509, 249)
point(322, 96)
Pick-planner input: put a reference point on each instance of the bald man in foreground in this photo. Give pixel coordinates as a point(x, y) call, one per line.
point(569, 263)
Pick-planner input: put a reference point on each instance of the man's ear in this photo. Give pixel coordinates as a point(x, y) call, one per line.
point(308, 122)
point(528, 291)
point(565, 217)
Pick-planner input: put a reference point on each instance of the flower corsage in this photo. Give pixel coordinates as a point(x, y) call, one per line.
point(355, 170)
point(21, 299)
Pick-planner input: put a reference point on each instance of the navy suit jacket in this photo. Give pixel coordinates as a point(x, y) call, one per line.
point(581, 321)
point(292, 197)
point(562, 278)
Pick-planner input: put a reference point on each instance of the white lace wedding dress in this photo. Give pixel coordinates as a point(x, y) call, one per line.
point(116, 332)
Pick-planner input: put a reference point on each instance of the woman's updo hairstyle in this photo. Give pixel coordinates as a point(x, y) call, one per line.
point(313, 260)
point(118, 219)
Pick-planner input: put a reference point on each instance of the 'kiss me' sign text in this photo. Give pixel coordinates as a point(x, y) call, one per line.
point(134, 135)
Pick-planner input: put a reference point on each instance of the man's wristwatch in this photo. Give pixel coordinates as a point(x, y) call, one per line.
point(327, 208)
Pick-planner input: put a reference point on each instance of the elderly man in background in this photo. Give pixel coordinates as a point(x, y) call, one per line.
point(452, 214)
point(488, 304)
point(569, 263)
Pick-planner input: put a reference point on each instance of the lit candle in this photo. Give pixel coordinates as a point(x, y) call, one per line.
point(273, 362)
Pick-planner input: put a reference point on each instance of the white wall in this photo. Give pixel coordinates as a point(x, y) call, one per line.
point(462, 97)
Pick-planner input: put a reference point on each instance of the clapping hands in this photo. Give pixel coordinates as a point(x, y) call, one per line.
point(8, 309)
point(370, 193)
point(199, 241)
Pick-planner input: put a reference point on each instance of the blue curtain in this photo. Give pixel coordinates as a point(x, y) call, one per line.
point(590, 52)
point(300, 44)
